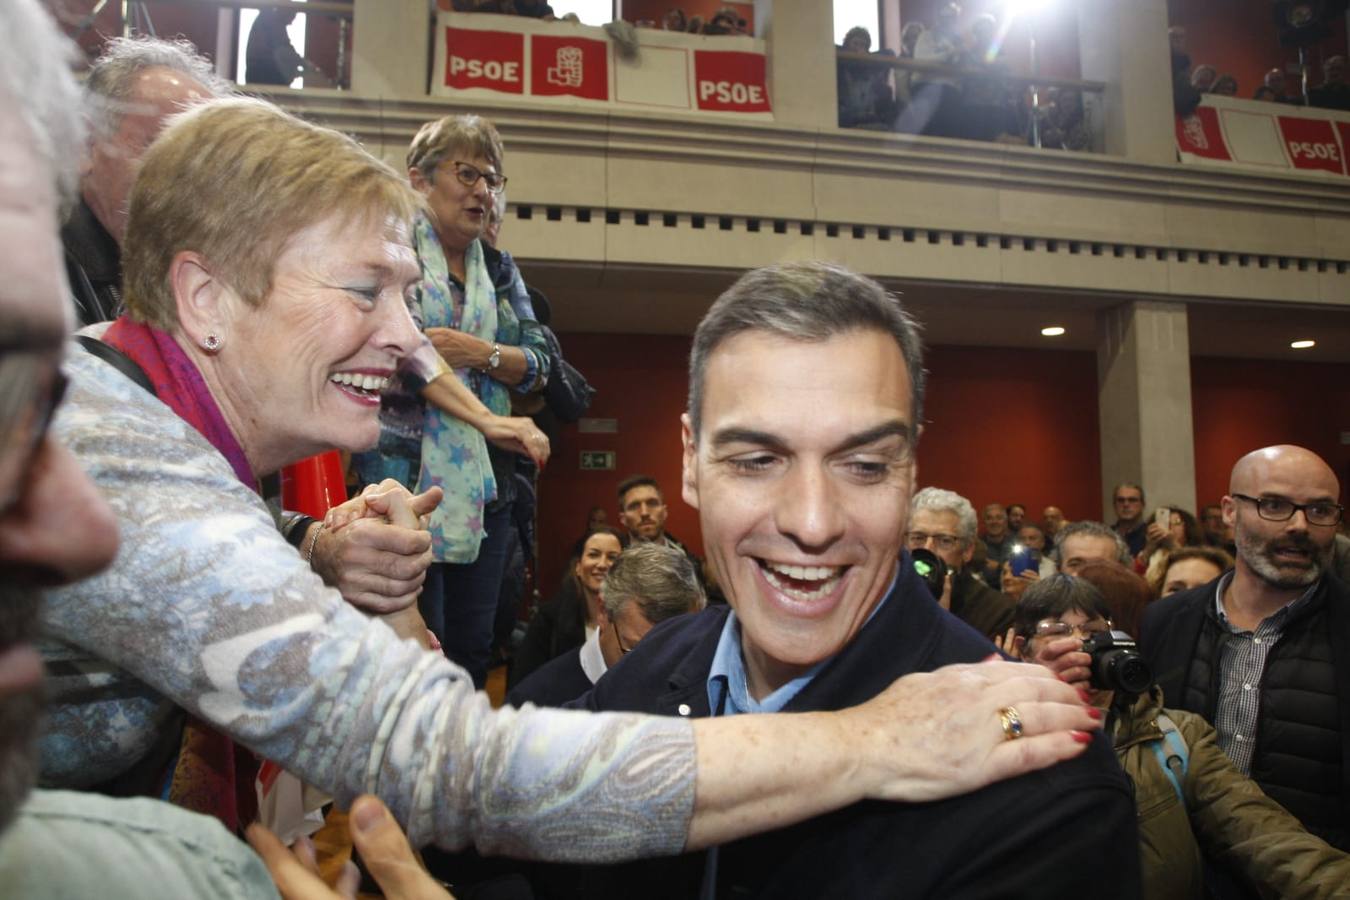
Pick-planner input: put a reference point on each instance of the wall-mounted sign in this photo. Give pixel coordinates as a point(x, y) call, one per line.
point(486, 55)
point(597, 460)
point(1253, 133)
point(597, 426)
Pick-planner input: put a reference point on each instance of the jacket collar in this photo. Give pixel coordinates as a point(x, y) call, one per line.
point(898, 640)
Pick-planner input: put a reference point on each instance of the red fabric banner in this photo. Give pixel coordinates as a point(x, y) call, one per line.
point(575, 66)
point(1200, 134)
point(731, 81)
point(485, 59)
point(1311, 144)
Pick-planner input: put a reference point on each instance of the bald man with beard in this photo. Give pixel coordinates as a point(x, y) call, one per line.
point(1263, 651)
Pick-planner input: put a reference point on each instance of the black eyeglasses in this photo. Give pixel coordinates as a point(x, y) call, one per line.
point(468, 176)
point(618, 637)
point(1278, 509)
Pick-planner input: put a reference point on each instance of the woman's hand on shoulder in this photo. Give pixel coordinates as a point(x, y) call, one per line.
point(933, 735)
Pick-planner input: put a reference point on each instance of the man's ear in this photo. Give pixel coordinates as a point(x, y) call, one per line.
point(201, 299)
point(969, 553)
point(1228, 508)
point(689, 477)
point(1019, 647)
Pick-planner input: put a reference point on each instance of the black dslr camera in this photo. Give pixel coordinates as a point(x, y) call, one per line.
point(1116, 663)
point(931, 569)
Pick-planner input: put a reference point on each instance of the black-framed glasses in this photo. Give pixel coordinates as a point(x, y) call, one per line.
point(1278, 509)
point(623, 651)
point(944, 542)
point(468, 175)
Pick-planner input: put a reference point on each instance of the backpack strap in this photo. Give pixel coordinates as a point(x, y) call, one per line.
point(118, 360)
point(1174, 760)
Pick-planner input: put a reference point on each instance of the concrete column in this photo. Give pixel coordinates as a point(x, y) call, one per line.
point(390, 46)
point(1124, 43)
point(801, 66)
point(1144, 402)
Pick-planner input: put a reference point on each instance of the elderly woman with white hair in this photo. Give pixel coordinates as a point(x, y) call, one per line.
point(267, 272)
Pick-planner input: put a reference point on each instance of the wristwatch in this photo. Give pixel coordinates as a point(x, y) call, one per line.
point(495, 359)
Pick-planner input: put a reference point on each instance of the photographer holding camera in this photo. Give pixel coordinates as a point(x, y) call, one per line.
point(1188, 795)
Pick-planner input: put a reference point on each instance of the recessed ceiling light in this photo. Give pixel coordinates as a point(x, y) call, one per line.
point(1302, 345)
point(1052, 330)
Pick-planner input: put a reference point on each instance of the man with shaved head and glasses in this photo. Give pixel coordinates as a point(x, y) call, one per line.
point(1263, 651)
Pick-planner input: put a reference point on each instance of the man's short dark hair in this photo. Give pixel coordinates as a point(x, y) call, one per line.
point(1128, 484)
point(809, 302)
point(633, 481)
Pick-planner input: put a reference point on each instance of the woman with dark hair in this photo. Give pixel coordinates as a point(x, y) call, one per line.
point(567, 618)
point(1183, 530)
point(1187, 792)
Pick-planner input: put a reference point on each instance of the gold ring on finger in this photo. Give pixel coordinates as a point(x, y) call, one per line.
point(1011, 722)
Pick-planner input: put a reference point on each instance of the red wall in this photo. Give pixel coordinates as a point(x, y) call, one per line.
point(1003, 425)
point(1239, 37)
point(1014, 426)
point(1241, 405)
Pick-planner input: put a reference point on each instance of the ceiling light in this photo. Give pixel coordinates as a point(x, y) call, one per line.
point(1302, 345)
point(1052, 330)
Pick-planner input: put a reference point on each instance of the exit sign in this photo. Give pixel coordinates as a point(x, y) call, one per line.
point(597, 460)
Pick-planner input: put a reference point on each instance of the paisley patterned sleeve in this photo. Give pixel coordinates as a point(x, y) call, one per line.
point(209, 607)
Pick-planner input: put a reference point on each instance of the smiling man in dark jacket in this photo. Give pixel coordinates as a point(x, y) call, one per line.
point(806, 390)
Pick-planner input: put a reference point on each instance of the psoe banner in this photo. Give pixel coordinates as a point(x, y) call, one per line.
point(485, 55)
point(1253, 134)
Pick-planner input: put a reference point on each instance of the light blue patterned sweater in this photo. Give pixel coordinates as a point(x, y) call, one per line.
point(209, 609)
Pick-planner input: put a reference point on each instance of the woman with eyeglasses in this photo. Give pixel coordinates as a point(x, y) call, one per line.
point(1192, 803)
point(482, 326)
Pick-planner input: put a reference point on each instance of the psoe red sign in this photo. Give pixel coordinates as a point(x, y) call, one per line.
point(485, 59)
point(572, 66)
point(730, 81)
point(1200, 134)
point(1312, 144)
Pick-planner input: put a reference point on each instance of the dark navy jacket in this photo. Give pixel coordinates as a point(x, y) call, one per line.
point(1067, 831)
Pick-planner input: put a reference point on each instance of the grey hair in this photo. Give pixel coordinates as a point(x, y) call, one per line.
point(1088, 528)
point(809, 302)
point(113, 75)
point(938, 500)
point(437, 140)
point(35, 71)
point(659, 579)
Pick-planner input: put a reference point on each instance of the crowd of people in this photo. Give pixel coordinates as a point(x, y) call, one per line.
point(256, 289)
point(1190, 81)
point(964, 92)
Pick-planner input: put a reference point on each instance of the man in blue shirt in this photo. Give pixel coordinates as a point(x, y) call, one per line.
point(799, 453)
